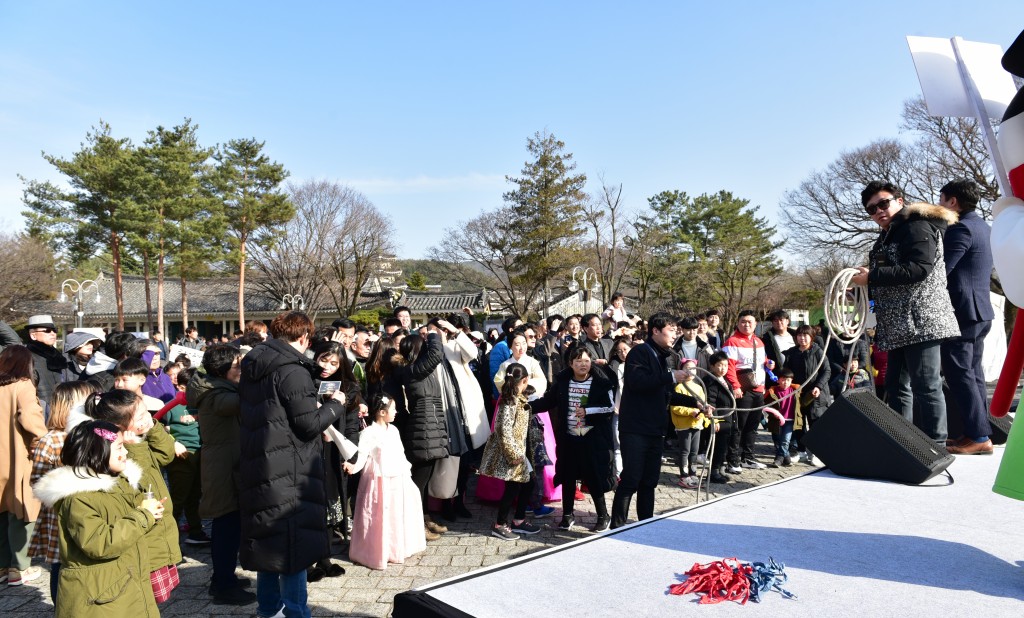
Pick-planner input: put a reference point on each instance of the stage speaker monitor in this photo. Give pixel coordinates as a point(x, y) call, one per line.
point(860, 436)
point(1000, 428)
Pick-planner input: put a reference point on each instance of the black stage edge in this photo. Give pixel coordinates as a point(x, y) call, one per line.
point(419, 604)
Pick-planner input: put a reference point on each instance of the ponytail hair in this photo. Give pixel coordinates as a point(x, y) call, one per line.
point(514, 374)
point(116, 406)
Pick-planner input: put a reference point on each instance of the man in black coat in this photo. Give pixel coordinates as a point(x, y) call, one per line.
point(647, 391)
point(598, 347)
point(968, 258)
point(282, 496)
point(49, 361)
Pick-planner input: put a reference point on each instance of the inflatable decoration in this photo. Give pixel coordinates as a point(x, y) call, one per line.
point(1008, 255)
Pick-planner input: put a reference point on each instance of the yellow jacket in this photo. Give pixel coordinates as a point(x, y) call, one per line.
point(689, 418)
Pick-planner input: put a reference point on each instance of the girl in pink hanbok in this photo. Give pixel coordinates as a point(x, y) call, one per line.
point(388, 518)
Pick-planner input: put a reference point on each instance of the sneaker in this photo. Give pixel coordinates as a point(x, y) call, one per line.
point(540, 511)
point(753, 465)
point(525, 527)
point(602, 524)
point(787, 461)
point(702, 460)
point(688, 482)
point(810, 460)
point(718, 476)
point(579, 495)
point(233, 596)
point(435, 527)
point(733, 469)
point(504, 533)
point(430, 536)
point(568, 521)
point(198, 538)
point(17, 578)
point(776, 463)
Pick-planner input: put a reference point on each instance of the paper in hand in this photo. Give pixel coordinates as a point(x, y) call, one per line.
point(328, 388)
point(344, 445)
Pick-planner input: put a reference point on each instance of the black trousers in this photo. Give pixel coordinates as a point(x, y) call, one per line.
point(518, 493)
point(641, 471)
point(227, 537)
point(741, 447)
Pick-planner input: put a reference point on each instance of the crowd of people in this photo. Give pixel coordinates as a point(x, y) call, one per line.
point(291, 437)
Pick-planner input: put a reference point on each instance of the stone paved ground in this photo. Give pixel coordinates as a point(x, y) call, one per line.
point(362, 592)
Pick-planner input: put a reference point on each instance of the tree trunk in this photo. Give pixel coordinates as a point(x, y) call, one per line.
point(149, 299)
point(160, 291)
point(241, 284)
point(115, 250)
point(184, 304)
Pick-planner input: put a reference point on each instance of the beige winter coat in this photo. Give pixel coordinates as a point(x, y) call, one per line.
point(21, 424)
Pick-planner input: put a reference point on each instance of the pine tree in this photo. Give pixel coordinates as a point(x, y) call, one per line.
point(546, 224)
point(99, 210)
point(248, 184)
point(178, 178)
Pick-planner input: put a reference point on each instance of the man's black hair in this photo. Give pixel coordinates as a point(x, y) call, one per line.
point(119, 345)
point(218, 359)
point(392, 322)
point(874, 187)
point(965, 191)
point(343, 323)
point(779, 314)
point(659, 321)
point(717, 357)
point(400, 309)
point(130, 367)
point(688, 322)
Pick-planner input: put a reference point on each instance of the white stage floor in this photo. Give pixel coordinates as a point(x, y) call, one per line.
point(851, 548)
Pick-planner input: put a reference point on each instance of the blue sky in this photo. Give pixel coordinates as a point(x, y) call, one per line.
point(425, 107)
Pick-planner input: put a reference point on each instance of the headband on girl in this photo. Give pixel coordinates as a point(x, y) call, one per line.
point(106, 434)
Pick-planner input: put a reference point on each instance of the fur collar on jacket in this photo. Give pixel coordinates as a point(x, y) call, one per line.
point(928, 211)
point(63, 482)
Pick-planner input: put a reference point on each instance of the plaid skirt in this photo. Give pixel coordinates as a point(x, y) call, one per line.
point(164, 580)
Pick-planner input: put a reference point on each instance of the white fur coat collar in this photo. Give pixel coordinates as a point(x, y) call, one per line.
point(63, 482)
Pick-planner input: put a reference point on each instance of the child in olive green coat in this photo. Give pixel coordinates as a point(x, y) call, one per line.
point(102, 521)
point(151, 447)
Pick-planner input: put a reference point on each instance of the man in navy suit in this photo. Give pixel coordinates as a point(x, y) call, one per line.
point(968, 257)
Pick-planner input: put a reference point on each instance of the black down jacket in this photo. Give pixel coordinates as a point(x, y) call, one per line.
point(424, 433)
point(281, 496)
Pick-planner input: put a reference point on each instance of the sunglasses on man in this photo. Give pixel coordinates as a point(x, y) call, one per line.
point(882, 204)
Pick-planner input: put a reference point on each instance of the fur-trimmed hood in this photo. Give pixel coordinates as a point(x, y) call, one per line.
point(937, 215)
point(63, 482)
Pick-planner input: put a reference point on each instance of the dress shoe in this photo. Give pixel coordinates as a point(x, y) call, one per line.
point(972, 448)
point(958, 441)
point(430, 536)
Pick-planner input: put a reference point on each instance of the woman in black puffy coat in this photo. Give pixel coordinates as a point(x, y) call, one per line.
point(424, 432)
